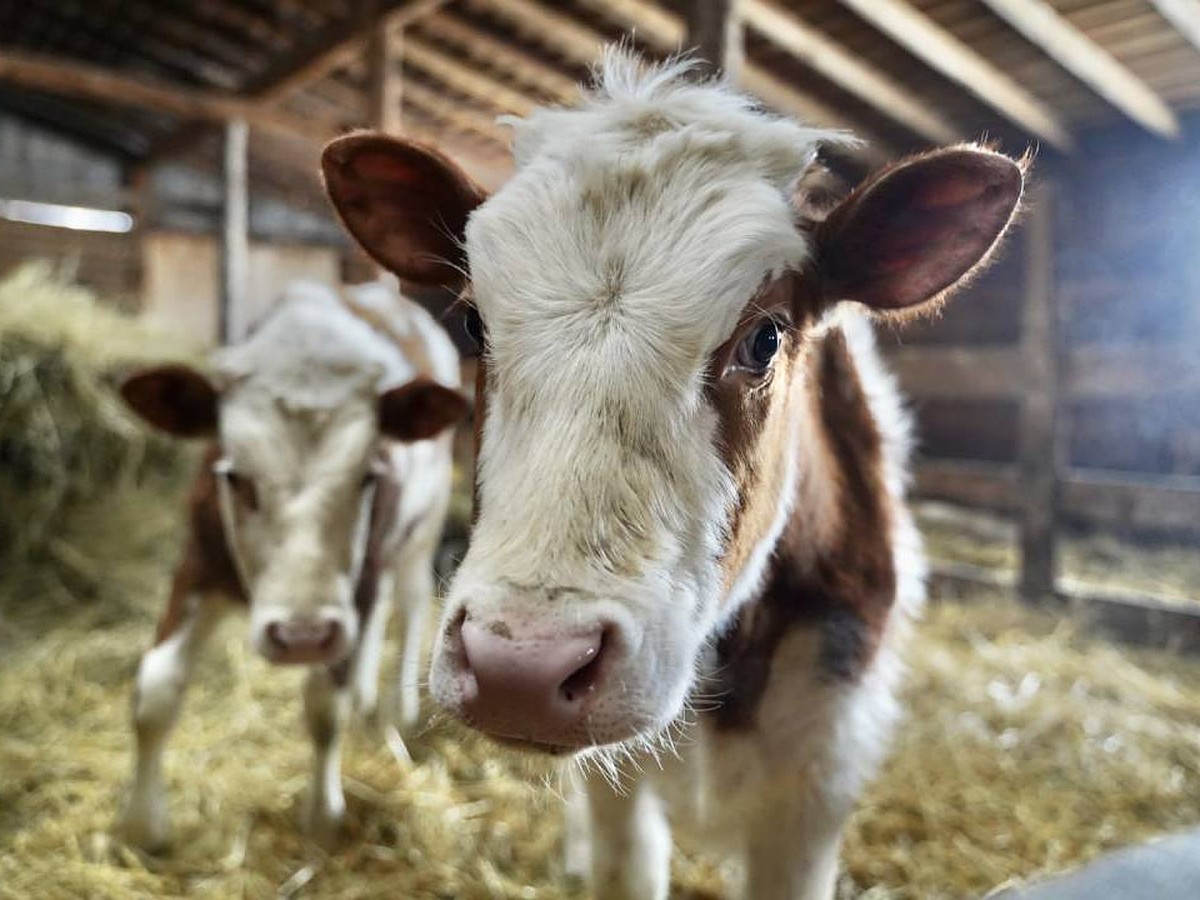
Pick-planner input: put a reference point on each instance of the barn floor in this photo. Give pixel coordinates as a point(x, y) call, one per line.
point(1029, 748)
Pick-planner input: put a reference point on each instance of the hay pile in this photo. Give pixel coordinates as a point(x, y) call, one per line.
point(1028, 749)
point(74, 466)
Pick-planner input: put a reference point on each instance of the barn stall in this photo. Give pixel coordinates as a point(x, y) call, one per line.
point(158, 182)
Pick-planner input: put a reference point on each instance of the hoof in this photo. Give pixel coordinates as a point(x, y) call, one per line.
point(146, 826)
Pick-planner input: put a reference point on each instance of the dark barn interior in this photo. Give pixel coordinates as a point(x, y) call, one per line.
point(159, 184)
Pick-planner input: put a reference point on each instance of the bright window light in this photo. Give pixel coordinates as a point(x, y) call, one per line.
point(57, 215)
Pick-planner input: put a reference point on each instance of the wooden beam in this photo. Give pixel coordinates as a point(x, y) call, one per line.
point(851, 73)
point(384, 80)
point(336, 48)
point(235, 232)
point(1039, 439)
point(1055, 36)
point(546, 82)
point(72, 79)
point(1184, 15)
point(555, 30)
point(947, 54)
point(665, 32)
point(452, 73)
point(714, 34)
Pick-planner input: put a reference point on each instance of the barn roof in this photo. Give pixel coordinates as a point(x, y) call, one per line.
point(902, 72)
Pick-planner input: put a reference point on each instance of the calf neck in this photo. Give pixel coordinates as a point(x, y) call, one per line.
point(691, 462)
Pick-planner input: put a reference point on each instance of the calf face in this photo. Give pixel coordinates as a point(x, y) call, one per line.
point(296, 484)
point(645, 294)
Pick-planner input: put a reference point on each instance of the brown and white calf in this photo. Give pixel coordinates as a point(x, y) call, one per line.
point(691, 526)
point(322, 495)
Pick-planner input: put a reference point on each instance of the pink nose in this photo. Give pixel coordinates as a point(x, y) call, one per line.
point(530, 689)
point(305, 640)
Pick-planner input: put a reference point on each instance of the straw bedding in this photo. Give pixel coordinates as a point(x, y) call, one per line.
point(1028, 748)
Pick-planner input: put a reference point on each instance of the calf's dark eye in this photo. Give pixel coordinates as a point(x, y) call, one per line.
point(473, 325)
point(759, 347)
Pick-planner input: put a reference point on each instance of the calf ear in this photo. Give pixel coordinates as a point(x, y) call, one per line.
point(406, 204)
point(420, 410)
point(174, 398)
point(911, 234)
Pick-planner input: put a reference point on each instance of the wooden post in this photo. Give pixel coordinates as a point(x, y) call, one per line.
point(235, 227)
point(385, 82)
point(1039, 445)
point(714, 33)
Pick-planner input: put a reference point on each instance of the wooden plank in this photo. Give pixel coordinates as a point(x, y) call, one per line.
point(235, 232)
point(1168, 504)
point(1090, 373)
point(967, 372)
point(713, 30)
point(850, 72)
point(452, 73)
point(72, 79)
point(1055, 36)
point(957, 61)
point(665, 32)
point(1039, 441)
point(1184, 15)
point(384, 81)
point(531, 74)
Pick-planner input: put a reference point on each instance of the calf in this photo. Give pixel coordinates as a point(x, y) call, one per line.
point(322, 494)
point(691, 526)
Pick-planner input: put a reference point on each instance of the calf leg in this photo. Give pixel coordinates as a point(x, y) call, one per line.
point(631, 843)
point(792, 852)
point(162, 678)
point(369, 652)
point(326, 709)
point(416, 595)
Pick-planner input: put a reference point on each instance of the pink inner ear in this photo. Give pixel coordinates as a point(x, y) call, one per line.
point(385, 167)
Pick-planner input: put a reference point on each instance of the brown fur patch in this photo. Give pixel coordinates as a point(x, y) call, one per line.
point(849, 591)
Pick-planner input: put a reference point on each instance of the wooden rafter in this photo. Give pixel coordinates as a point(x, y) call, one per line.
point(452, 73)
point(665, 32)
point(947, 54)
point(848, 71)
point(548, 83)
point(457, 115)
point(72, 79)
point(1184, 15)
point(1055, 36)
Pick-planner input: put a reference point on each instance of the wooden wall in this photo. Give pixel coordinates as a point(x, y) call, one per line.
point(1126, 286)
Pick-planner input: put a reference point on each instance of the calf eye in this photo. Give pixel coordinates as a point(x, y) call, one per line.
point(759, 347)
point(473, 325)
point(243, 489)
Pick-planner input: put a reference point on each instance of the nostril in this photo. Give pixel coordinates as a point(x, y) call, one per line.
point(584, 679)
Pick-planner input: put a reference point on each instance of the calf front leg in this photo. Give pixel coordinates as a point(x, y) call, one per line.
point(415, 596)
point(162, 679)
point(631, 842)
point(368, 655)
point(326, 709)
point(792, 852)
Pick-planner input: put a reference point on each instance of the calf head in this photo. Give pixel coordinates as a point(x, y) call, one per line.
point(297, 481)
point(644, 291)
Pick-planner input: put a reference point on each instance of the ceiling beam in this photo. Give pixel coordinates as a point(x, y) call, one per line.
point(849, 72)
point(715, 29)
point(1184, 15)
point(64, 77)
point(533, 75)
point(1055, 36)
point(944, 52)
point(452, 73)
point(665, 32)
point(457, 115)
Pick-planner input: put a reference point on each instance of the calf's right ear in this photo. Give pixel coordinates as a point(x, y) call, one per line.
point(406, 204)
point(173, 398)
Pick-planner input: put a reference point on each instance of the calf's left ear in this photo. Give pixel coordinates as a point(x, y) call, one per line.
point(420, 410)
point(173, 398)
point(918, 230)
